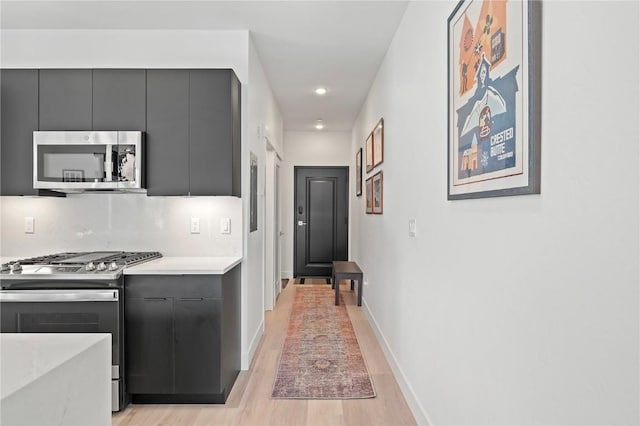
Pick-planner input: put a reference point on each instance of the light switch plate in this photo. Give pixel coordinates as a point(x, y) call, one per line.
point(225, 225)
point(195, 225)
point(29, 225)
point(412, 228)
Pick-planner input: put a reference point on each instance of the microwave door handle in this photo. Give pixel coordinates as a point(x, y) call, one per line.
point(108, 163)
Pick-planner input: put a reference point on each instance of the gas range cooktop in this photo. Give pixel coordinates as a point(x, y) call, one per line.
point(75, 265)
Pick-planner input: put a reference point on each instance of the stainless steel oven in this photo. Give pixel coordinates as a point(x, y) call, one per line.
point(71, 293)
point(70, 310)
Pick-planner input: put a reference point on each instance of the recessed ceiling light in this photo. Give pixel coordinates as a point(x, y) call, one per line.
point(320, 91)
point(319, 125)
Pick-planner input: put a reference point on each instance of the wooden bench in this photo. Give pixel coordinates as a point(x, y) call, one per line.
point(346, 271)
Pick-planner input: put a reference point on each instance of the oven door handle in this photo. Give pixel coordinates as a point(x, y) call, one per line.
point(59, 295)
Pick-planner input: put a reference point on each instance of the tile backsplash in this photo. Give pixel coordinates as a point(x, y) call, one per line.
point(115, 221)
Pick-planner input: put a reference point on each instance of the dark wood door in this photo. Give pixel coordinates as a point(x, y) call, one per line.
point(320, 219)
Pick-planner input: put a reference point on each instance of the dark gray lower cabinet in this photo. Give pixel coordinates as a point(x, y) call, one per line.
point(194, 323)
point(182, 336)
point(149, 329)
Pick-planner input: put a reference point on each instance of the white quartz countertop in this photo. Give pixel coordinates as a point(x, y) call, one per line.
point(174, 265)
point(28, 356)
point(55, 379)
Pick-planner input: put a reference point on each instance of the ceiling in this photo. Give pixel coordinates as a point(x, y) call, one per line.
point(302, 44)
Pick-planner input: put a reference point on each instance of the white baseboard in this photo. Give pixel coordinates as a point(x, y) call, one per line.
point(247, 356)
point(415, 406)
point(286, 275)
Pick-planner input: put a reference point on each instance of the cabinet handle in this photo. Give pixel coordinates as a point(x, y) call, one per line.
point(192, 298)
point(155, 298)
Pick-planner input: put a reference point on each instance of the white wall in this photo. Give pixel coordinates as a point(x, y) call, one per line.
point(318, 148)
point(125, 49)
point(263, 117)
point(91, 221)
point(516, 310)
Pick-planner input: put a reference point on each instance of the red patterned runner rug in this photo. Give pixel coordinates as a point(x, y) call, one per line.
point(321, 358)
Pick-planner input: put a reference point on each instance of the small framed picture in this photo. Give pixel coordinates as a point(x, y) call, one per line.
point(369, 195)
point(378, 143)
point(69, 175)
point(377, 193)
point(368, 147)
point(359, 172)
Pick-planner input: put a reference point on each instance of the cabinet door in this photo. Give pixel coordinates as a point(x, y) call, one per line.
point(197, 347)
point(119, 99)
point(210, 129)
point(150, 345)
point(65, 99)
point(19, 118)
point(167, 148)
point(236, 102)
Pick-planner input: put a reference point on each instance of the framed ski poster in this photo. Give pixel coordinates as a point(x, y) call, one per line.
point(493, 99)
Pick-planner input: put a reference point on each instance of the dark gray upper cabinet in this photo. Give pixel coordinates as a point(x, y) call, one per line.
point(211, 137)
point(65, 99)
point(193, 132)
point(236, 128)
point(19, 118)
point(167, 149)
point(119, 99)
point(191, 119)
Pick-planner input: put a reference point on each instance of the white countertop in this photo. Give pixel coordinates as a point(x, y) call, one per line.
point(28, 356)
point(58, 378)
point(173, 265)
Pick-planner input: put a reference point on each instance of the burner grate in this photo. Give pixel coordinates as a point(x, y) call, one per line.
point(47, 259)
point(131, 258)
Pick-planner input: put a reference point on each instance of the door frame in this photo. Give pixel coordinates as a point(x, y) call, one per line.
point(271, 282)
point(295, 224)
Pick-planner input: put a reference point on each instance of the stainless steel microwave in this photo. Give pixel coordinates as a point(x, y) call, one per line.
point(87, 160)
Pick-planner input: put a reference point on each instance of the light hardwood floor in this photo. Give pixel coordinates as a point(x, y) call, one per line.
point(250, 401)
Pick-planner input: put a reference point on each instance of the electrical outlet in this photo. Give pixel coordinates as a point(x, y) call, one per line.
point(29, 225)
point(195, 225)
point(225, 225)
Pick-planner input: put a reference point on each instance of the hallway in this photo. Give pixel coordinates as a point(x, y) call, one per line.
point(250, 401)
